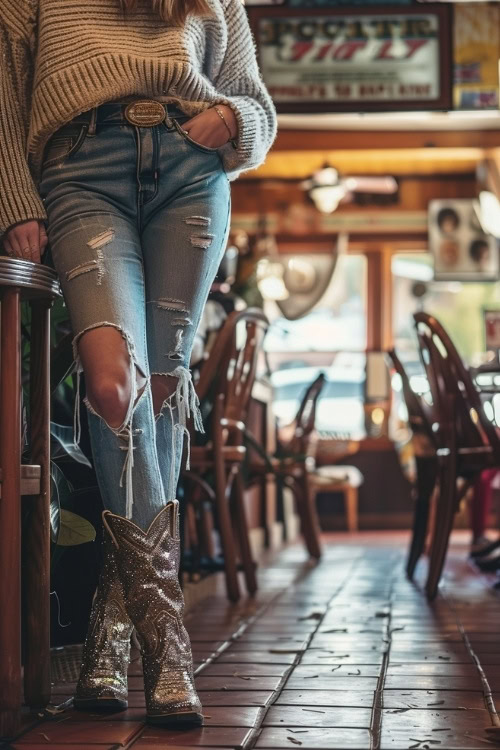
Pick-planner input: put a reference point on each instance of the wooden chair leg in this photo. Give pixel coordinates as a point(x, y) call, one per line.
point(351, 508)
point(10, 515)
point(37, 530)
point(207, 529)
point(242, 529)
point(444, 522)
point(222, 505)
point(305, 496)
point(426, 481)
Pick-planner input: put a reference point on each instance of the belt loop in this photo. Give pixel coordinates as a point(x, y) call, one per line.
point(92, 122)
point(168, 120)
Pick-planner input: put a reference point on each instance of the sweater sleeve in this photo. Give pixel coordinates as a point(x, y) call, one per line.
point(240, 86)
point(19, 198)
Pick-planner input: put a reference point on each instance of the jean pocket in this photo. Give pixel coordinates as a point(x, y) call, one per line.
point(194, 144)
point(64, 144)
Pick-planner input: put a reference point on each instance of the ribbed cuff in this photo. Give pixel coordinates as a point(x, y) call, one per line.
point(251, 148)
point(16, 208)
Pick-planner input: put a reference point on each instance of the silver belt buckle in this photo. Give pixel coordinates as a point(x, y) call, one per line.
point(145, 113)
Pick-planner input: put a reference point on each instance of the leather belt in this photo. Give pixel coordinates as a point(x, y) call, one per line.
point(145, 113)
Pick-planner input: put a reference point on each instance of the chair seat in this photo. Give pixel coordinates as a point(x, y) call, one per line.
point(30, 479)
point(337, 475)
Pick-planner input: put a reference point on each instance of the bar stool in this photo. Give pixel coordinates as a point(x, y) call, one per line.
point(23, 280)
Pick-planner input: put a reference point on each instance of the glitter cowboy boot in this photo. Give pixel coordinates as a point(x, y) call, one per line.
point(103, 676)
point(148, 565)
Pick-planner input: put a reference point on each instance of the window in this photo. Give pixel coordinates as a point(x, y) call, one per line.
point(330, 338)
point(457, 305)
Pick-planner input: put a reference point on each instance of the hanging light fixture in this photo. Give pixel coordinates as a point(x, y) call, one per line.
point(325, 189)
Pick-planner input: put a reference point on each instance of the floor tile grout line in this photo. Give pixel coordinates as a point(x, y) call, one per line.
point(376, 716)
point(487, 692)
point(244, 626)
point(254, 735)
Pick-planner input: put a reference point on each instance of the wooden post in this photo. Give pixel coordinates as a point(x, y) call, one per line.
point(10, 515)
point(37, 531)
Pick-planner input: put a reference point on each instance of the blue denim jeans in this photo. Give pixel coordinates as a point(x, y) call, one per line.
point(138, 219)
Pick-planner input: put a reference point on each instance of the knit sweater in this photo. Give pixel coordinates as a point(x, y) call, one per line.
point(61, 57)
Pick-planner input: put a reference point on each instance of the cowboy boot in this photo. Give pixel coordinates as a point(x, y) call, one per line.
point(148, 565)
point(103, 676)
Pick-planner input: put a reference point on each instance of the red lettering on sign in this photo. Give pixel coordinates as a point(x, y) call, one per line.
point(324, 49)
point(386, 50)
point(300, 49)
point(347, 50)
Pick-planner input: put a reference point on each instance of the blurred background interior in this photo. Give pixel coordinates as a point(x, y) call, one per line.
point(350, 345)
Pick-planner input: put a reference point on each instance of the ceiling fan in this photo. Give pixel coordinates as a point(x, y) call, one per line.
point(327, 188)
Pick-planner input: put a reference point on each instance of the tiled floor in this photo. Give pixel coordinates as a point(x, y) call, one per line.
point(346, 654)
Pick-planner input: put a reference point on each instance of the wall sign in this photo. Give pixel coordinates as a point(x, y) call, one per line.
point(338, 60)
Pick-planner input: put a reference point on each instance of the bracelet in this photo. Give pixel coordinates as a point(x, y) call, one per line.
point(225, 123)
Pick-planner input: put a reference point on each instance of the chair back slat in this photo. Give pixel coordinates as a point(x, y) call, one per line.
point(305, 419)
point(231, 367)
point(419, 413)
point(449, 377)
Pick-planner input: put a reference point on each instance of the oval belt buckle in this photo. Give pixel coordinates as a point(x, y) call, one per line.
point(145, 113)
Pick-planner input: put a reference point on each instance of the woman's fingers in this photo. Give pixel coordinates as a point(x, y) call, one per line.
point(23, 240)
point(11, 245)
point(207, 129)
point(43, 239)
point(33, 237)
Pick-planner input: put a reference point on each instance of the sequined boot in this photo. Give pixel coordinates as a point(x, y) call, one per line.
point(148, 565)
point(106, 652)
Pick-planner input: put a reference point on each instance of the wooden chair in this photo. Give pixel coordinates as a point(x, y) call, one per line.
point(345, 480)
point(22, 280)
point(425, 448)
point(290, 464)
point(467, 441)
point(339, 478)
point(226, 382)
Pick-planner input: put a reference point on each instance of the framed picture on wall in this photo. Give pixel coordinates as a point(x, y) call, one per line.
point(358, 59)
point(461, 249)
point(492, 329)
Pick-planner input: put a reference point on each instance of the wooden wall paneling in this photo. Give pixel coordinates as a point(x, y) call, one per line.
point(276, 195)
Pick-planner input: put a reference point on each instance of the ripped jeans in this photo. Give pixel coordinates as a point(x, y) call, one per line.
point(138, 219)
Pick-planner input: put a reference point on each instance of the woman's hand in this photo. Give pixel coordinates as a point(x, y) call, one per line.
point(26, 240)
point(208, 129)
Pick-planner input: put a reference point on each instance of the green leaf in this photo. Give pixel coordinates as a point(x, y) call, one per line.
point(74, 530)
point(61, 361)
point(60, 490)
point(64, 446)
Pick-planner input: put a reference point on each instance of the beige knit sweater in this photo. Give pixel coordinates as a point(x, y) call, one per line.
point(62, 57)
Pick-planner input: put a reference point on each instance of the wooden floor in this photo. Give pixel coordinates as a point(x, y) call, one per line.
point(346, 654)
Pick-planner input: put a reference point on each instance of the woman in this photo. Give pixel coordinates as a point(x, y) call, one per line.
point(121, 124)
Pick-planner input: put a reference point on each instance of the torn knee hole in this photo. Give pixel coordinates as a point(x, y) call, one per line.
point(110, 394)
